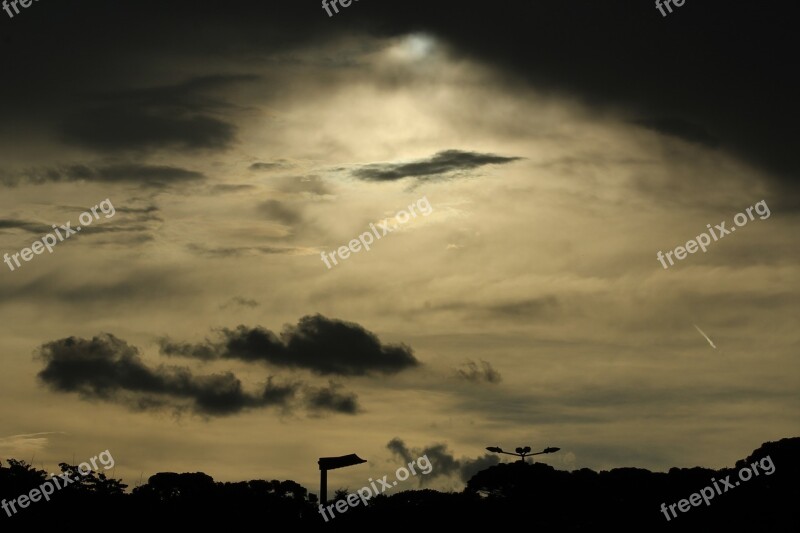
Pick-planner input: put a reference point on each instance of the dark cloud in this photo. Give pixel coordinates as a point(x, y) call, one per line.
point(241, 301)
point(204, 352)
point(145, 175)
point(140, 225)
point(317, 343)
point(398, 447)
point(171, 116)
point(738, 89)
point(682, 129)
point(542, 308)
point(108, 129)
point(30, 227)
point(280, 164)
point(145, 213)
point(107, 368)
point(483, 374)
point(141, 220)
point(144, 286)
point(470, 467)
point(444, 463)
point(110, 369)
point(126, 241)
point(128, 228)
point(275, 210)
point(436, 165)
point(232, 188)
point(331, 398)
point(238, 251)
point(279, 393)
point(525, 309)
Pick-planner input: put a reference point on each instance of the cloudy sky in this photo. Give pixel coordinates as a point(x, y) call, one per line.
point(550, 149)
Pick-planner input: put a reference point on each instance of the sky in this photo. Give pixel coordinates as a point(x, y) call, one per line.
point(548, 150)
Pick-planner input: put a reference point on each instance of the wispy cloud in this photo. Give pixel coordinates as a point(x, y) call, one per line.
point(20, 446)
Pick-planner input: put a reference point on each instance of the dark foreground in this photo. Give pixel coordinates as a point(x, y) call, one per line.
point(537, 495)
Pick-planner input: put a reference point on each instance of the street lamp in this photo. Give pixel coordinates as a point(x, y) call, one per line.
point(522, 453)
point(331, 463)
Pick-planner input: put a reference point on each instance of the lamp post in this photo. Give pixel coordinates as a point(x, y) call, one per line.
point(331, 463)
point(522, 453)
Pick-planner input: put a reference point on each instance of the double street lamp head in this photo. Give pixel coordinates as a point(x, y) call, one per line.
point(522, 452)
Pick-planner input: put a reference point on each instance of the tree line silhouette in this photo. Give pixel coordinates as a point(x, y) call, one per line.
point(531, 494)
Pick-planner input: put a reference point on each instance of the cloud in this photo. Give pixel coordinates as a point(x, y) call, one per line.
point(24, 445)
point(275, 210)
point(682, 129)
point(237, 251)
point(226, 188)
point(178, 117)
point(624, 79)
point(30, 227)
point(444, 463)
point(621, 77)
point(109, 369)
point(470, 467)
point(525, 309)
point(316, 343)
point(279, 393)
point(241, 301)
point(149, 213)
point(140, 225)
point(280, 164)
point(484, 374)
point(540, 308)
point(331, 399)
point(204, 352)
point(438, 164)
point(310, 185)
point(146, 175)
point(143, 286)
point(398, 447)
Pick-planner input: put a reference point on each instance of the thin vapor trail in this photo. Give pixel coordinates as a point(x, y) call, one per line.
point(706, 336)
